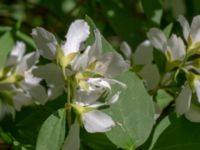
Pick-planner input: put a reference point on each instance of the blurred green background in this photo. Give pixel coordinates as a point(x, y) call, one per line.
point(118, 20)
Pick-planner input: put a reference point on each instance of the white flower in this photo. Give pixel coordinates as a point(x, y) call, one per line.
point(46, 42)
point(18, 82)
point(95, 120)
point(174, 45)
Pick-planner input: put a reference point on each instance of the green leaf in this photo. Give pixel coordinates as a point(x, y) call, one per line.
point(133, 114)
point(176, 134)
point(168, 29)
point(122, 20)
point(52, 132)
point(25, 38)
point(97, 141)
point(153, 10)
point(163, 99)
point(6, 44)
point(105, 44)
point(72, 141)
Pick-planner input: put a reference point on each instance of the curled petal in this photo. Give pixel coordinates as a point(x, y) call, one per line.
point(78, 32)
point(126, 50)
point(46, 42)
point(97, 121)
point(185, 26)
point(157, 38)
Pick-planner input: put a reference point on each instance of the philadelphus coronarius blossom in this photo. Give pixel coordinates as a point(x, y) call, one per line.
point(84, 72)
point(178, 55)
point(18, 87)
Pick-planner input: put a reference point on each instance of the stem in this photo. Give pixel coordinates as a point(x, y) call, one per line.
point(69, 102)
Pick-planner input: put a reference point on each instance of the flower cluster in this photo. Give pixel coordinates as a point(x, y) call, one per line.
point(182, 56)
point(84, 72)
point(18, 86)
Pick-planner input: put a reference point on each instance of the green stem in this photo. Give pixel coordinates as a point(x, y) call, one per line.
point(69, 102)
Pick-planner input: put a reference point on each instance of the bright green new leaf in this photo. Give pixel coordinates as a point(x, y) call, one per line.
point(133, 114)
point(6, 44)
point(52, 133)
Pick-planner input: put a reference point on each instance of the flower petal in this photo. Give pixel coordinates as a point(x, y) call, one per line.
point(96, 48)
point(144, 51)
point(46, 42)
point(195, 29)
point(197, 89)
point(28, 61)
point(16, 54)
point(51, 73)
point(157, 38)
point(97, 121)
point(78, 32)
point(176, 48)
point(185, 26)
point(193, 114)
point(111, 64)
point(126, 50)
point(87, 98)
point(183, 100)
point(21, 99)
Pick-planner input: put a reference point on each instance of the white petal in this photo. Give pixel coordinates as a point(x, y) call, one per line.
point(51, 73)
point(157, 38)
point(183, 100)
point(126, 50)
point(96, 49)
point(176, 48)
point(16, 54)
point(72, 141)
point(81, 62)
point(111, 64)
point(27, 62)
point(185, 26)
point(87, 98)
point(30, 79)
point(38, 92)
point(113, 81)
point(46, 42)
point(78, 32)
point(195, 29)
point(21, 99)
point(144, 51)
point(193, 114)
point(197, 88)
point(97, 121)
point(96, 83)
